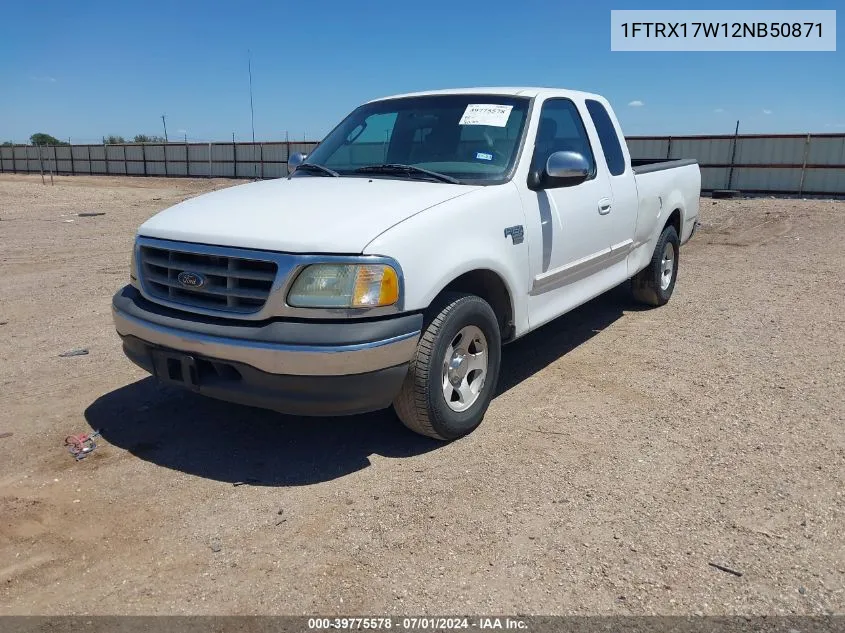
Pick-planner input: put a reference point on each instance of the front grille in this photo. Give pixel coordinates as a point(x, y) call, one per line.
point(232, 284)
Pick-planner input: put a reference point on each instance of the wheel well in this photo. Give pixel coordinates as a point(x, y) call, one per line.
point(490, 287)
point(674, 220)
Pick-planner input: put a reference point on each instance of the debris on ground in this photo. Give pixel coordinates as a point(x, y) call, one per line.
point(547, 432)
point(5, 435)
point(768, 534)
point(726, 569)
point(249, 480)
point(91, 214)
point(82, 445)
point(215, 545)
point(79, 351)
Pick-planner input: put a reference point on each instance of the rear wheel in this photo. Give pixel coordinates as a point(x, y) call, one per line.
point(453, 374)
point(654, 284)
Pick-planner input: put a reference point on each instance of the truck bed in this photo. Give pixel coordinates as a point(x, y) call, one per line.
point(647, 165)
point(662, 186)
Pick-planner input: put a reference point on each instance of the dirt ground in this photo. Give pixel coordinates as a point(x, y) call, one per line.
point(627, 449)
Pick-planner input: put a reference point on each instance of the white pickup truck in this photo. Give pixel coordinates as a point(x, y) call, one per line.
point(423, 233)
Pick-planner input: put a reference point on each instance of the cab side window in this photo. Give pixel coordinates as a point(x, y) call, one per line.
point(607, 136)
point(561, 130)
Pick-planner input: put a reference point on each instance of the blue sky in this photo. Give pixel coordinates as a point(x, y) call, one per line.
point(100, 68)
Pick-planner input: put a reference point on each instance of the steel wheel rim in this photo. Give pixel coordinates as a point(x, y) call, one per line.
point(464, 368)
point(667, 265)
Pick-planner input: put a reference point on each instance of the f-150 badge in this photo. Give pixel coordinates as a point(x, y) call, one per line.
point(516, 232)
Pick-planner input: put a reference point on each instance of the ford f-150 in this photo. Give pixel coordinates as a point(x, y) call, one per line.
point(393, 262)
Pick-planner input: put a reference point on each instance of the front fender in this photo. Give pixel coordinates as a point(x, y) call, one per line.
point(456, 237)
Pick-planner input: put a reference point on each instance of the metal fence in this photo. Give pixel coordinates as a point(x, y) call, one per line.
point(213, 160)
point(812, 164)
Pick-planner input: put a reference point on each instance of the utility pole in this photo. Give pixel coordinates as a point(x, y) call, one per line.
point(733, 156)
point(164, 123)
point(252, 116)
point(251, 108)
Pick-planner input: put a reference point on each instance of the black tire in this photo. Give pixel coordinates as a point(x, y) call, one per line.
point(421, 403)
point(646, 284)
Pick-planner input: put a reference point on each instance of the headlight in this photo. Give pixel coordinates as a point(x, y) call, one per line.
point(345, 286)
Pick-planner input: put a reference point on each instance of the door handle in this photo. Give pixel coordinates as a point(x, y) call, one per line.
point(604, 206)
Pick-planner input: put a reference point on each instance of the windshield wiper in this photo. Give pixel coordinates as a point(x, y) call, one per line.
point(398, 168)
point(317, 168)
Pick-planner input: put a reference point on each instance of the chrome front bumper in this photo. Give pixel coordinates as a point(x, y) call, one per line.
point(276, 358)
point(270, 356)
point(292, 366)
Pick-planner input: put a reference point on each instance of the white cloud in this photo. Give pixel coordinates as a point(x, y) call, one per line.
point(636, 103)
point(767, 111)
point(719, 110)
point(46, 79)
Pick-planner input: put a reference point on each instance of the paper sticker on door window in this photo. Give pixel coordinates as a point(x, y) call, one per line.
point(486, 114)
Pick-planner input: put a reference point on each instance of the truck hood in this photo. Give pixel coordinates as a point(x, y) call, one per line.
point(300, 215)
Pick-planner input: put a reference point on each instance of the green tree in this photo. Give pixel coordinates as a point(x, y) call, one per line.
point(113, 139)
point(40, 138)
point(143, 138)
point(7, 143)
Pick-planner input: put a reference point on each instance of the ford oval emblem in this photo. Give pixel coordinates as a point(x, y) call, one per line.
point(191, 280)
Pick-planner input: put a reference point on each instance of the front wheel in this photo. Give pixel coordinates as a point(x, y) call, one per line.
point(453, 374)
point(654, 284)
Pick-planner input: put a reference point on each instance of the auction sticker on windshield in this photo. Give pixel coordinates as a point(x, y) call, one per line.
point(486, 114)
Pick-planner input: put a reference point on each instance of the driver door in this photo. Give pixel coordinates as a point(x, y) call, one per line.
point(572, 241)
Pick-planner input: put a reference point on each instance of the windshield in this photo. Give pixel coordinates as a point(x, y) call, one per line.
point(466, 137)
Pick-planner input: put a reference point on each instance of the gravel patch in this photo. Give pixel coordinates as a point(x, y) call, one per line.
point(634, 461)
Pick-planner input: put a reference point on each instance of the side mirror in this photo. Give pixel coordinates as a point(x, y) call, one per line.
point(295, 160)
point(569, 166)
point(562, 169)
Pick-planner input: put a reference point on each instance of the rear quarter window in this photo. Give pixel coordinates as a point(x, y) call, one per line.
point(607, 136)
